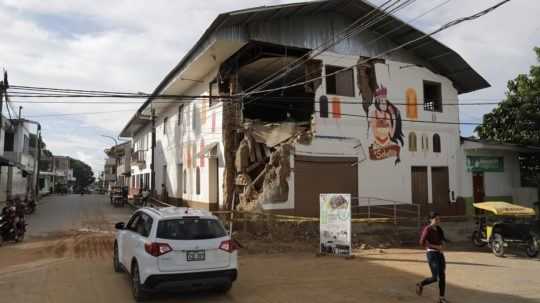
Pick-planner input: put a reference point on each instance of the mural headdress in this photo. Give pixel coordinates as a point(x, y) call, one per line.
point(381, 92)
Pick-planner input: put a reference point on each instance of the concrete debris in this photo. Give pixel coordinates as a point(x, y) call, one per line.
point(264, 155)
point(275, 185)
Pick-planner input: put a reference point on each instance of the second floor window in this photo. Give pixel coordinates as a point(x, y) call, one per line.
point(214, 91)
point(412, 142)
point(9, 141)
point(340, 81)
point(165, 120)
point(180, 109)
point(436, 143)
point(432, 96)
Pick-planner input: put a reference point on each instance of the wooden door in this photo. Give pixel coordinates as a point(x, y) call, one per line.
point(478, 187)
point(419, 181)
point(317, 175)
point(440, 185)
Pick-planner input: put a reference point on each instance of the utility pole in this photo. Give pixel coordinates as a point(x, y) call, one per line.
point(152, 168)
point(3, 87)
point(20, 109)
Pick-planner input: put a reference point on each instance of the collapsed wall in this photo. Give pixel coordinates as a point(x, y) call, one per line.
point(263, 162)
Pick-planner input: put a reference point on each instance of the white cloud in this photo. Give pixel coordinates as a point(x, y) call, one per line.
point(130, 45)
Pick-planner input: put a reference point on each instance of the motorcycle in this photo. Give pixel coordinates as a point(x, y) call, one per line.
point(12, 224)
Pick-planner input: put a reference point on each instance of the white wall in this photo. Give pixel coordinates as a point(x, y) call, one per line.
point(172, 148)
point(496, 184)
point(384, 179)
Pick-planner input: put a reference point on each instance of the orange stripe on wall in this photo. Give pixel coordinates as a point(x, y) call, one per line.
point(336, 107)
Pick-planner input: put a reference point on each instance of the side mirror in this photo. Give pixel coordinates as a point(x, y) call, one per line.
point(119, 225)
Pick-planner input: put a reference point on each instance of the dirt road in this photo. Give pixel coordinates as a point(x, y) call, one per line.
point(77, 268)
point(74, 265)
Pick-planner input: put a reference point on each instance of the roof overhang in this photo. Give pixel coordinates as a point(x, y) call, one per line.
point(213, 48)
point(478, 144)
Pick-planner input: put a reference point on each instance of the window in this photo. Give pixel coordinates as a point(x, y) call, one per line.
point(9, 141)
point(341, 83)
point(26, 144)
point(190, 229)
point(143, 226)
point(425, 143)
point(146, 180)
point(436, 143)
point(214, 91)
point(412, 142)
point(165, 125)
point(432, 96)
point(194, 117)
point(132, 224)
point(185, 181)
point(180, 108)
point(198, 181)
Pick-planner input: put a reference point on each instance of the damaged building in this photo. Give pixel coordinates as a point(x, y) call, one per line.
point(278, 119)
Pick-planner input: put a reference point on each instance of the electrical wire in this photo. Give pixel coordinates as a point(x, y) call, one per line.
point(440, 29)
point(316, 52)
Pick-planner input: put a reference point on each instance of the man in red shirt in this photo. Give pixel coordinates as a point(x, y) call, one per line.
point(432, 239)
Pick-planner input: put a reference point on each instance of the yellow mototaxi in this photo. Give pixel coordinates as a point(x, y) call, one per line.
point(502, 224)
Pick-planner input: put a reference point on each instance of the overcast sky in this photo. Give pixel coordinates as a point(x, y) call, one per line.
point(130, 45)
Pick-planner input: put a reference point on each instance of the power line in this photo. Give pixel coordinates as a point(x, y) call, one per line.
point(395, 29)
point(360, 29)
point(367, 116)
point(440, 29)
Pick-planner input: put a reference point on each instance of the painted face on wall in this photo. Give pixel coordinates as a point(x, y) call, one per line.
point(385, 124)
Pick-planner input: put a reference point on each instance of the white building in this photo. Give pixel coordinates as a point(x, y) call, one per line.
point(18, 176)
point(383, 128)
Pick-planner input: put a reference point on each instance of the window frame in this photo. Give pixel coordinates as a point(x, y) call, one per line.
point(165, 121)
point(413, 144)
point(437, 145)
point(435, 105)
point(339, 69)
point(211, 93)
point(180, 113)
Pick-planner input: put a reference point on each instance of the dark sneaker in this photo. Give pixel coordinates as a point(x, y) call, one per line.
point(419, 289)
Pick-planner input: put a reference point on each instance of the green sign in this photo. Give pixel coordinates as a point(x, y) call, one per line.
point(485, 164)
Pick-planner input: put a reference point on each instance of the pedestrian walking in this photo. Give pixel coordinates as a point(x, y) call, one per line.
point(145, 196)
point(433, 239)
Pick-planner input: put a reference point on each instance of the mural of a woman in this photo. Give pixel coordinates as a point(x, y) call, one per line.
point(385, 124)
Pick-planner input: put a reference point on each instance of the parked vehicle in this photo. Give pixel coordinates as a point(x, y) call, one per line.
point(12, 224)
point(175, 247)
point(505, 225)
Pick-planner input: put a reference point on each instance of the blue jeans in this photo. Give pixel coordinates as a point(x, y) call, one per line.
point(437, 265)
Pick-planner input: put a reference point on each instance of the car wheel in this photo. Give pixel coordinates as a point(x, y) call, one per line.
point(532, 247)
point(136, 288)
point(116, 260)
point(477, 239)
point(497, 245)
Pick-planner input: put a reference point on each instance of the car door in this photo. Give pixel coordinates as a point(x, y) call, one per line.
point(140, 236)
point(128, 238)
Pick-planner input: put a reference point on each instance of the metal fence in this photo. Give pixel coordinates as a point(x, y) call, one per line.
point(398, 211)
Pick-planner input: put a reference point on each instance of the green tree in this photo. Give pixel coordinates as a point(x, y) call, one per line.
point(517, 120)
point(82, 172)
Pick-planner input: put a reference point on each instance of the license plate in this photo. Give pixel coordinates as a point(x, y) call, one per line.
point(195, 255)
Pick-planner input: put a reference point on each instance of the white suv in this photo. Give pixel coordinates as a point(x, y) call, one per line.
point(175, 247)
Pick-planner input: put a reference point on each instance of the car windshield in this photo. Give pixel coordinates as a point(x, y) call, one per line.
point(190, 229)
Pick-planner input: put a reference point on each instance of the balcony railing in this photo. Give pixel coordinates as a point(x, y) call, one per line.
point(138, 157)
